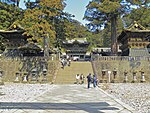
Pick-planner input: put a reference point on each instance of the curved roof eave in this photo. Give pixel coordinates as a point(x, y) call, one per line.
point(11, 31)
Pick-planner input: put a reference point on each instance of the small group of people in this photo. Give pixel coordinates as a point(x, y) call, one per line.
point(91, 79)
point(66, 61)
point(80, 79)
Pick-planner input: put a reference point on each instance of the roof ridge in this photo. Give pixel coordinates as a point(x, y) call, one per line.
point(135, 26)
point(15, 25)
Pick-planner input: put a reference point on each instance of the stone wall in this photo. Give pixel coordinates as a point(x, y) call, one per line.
point(129, 65)
point(11, 66)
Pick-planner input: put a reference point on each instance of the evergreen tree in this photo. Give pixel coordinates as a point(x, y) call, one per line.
point(141, 15)
point(2, 46)
point(74, 29)
point(100, 12)
point(9, 14)
point(15, 2)
point(38, 21)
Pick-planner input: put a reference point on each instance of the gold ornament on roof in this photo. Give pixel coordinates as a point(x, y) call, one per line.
point(15, 26)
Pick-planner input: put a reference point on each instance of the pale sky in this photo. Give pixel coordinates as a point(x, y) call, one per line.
point(75, 7)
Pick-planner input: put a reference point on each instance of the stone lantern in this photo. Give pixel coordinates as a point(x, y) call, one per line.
point(114, 73)
point(134, 76)
point(44, 74)
point(103, 76)
point(125, 76)
point(25, 77)
point(103, 73)
point(1, 75)
point(142, 76)
point(17, 77)
point(34, 75)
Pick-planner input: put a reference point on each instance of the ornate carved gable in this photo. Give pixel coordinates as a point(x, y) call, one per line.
point(135, 27)
point(16, 26)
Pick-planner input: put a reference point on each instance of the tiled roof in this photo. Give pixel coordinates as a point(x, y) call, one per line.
point(135, 27)
point(139, 52)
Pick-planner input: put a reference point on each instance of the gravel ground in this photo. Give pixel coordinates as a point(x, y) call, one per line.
point(16, 92)
point(137, 95)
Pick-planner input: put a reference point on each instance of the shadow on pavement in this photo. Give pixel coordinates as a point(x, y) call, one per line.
point(91, 107)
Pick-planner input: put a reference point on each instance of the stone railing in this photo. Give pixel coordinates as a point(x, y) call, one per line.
point(52, 57)
point(126, 58)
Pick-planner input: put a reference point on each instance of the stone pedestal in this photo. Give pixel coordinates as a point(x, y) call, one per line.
point(17, 78)
point(103, 74)
point(114, 76)
point(44, 78)
point(103, 81)
point(25, 78)
point(114, 81)
point(125, 77)
point(34, 76)
point(114, 73)
point(109, 76)
point(134, 77)
point(1, 79)
point(44, 75)
point(142, 77)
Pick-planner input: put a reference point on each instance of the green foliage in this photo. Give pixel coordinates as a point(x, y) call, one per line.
point(95, 40)
point(52, 7)
point(38, 21)
point(37, 27)
point(2, 46)
point(100, 12)
point(109, 7)
point(106, 34)
point(45, 18)
point(9, 14)
point(141, 15)
point(74, 29)
point(109, 13)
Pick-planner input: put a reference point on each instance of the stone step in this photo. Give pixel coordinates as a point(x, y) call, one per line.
point(68, 74)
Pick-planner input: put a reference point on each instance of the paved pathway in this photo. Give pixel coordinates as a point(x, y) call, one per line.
point(70, 99)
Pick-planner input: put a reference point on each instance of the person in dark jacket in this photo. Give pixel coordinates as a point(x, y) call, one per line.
point(94, 81)
point(89, 79)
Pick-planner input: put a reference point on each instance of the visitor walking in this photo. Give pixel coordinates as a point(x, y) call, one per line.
point(69, 62)
point(89, 79)
point(62, 63)
point(82, 79)
point(94, 81)
point(77, 78)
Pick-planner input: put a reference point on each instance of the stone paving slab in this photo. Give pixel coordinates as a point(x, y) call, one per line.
point(71, 99)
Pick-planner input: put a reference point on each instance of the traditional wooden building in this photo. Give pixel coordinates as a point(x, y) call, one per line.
point(76, 48)
point(13, 37)
point(104, 51)
point(16, 43)
point(134, 41)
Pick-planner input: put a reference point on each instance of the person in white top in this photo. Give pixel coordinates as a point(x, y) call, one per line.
point(77, 78)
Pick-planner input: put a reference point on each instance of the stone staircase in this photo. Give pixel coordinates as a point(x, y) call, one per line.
point(68, 74)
